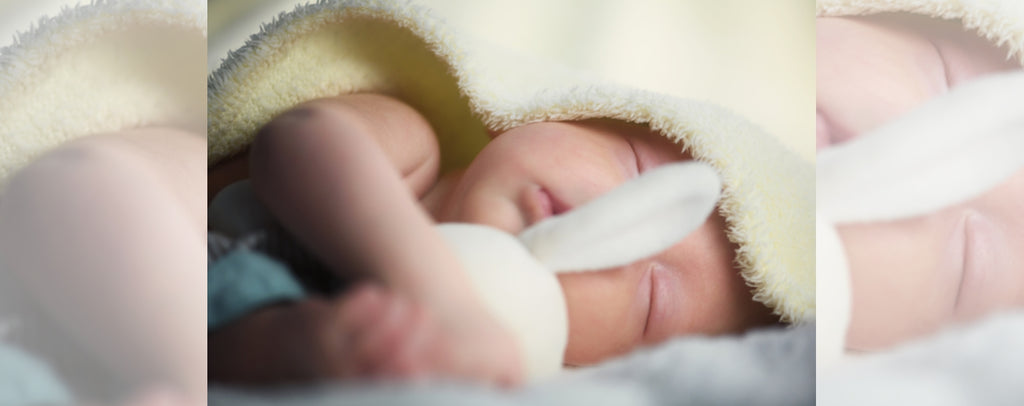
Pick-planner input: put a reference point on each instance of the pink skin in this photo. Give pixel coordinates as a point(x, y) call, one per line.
point(369, 332)
point(105, 234)
point(873, 69)
point(352, 171)
point(351, 200)
point(910, 277)
point(953, 265)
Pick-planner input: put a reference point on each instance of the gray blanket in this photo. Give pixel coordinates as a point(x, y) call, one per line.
point(765, 367)
point(979, 363)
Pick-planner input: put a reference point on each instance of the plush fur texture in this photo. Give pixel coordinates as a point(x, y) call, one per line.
point(101, 67)
point(465, 89)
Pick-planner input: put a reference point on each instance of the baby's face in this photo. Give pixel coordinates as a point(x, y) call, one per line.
point(911, 276)
point(690, 288)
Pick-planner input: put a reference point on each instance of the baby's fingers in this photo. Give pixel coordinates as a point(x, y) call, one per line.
point(380, 340)
point(362, 305)
point(410, 355)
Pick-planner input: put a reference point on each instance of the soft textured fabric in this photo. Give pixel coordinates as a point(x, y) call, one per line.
point(977, 129)
point(975, 364)
point(691, 48)
point(101, 67)
point(278, 244)
point(764, 367)
point(244, 280)
point(26, 380)
point(466, 89)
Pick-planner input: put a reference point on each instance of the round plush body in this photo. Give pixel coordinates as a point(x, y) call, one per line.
point(519, 291)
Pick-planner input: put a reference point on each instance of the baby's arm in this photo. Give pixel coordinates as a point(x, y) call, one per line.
point(327, 170)
point(105, 234)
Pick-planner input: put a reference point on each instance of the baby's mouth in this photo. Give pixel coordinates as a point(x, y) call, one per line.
point(538, 204)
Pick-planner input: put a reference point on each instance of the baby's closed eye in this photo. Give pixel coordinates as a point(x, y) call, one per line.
point(655, 150)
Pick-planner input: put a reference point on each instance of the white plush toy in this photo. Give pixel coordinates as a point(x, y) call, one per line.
point(516, 275)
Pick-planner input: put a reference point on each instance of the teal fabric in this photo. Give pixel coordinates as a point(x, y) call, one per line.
point(243, 281)
point(25, 380)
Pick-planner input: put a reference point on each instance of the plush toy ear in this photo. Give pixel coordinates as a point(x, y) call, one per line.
point(636, 220)
point(949, 150)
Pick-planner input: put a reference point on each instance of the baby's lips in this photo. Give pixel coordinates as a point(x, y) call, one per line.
point(537, 204)
point(557, 205)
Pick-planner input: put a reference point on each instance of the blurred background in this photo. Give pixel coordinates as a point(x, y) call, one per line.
point(753, 57)
point(15, 15)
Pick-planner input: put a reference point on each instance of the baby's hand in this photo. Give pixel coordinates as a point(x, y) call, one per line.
point(368, 333)
point(379, 334)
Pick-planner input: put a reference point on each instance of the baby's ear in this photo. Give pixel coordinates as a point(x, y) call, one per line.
point(636, 220)
point(950, 150)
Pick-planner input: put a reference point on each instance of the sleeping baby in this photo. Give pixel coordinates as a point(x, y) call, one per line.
point(363, 200)
point(911, 276)
point(362, 126)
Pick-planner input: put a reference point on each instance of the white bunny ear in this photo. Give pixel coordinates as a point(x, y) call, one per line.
point(636, 220)
point(947, 151)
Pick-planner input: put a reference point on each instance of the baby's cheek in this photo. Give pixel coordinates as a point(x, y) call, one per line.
point(901, 286)
point(490, 210)
point(604, 318)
